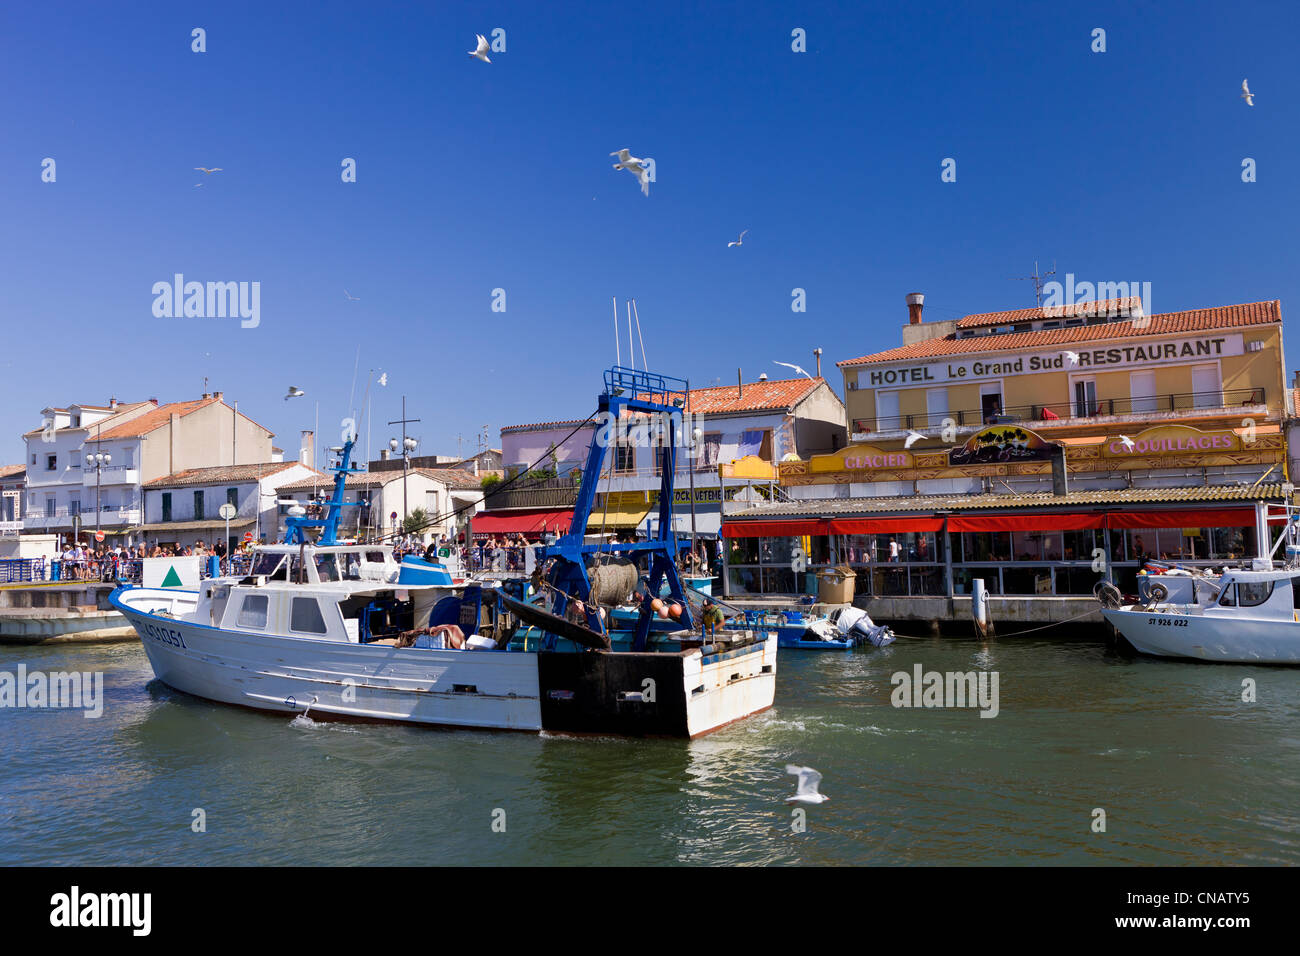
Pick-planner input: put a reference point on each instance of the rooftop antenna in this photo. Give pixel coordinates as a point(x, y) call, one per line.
point(644, 364)
point(618, 355)
point(630, 347)
point(1037, 280)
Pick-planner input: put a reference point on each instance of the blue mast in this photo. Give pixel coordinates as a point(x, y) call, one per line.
point(663, 399)
point(295, 530)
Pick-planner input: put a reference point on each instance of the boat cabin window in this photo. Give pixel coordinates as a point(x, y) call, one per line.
point(327, 567)
point(352, 566)
point(375, 557)
point(1295, 593)
point(306, 616)
point(266, 563)
point(252, 613)
point(1246, 593)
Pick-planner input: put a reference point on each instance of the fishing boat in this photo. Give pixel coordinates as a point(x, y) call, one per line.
point(346, 630)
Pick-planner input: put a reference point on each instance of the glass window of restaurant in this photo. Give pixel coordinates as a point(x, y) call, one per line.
point(886, 564)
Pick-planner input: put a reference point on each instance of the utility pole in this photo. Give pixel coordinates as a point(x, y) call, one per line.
point(406, 446)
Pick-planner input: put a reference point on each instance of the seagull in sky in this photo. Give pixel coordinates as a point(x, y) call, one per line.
point(383, 379)
point(294, 392)
point(912, 438)
point(795, 367)
point(740, 241)
point(637, 167)
point(1127, 442)
point(354, 298)
point(482, 51)
point(204, 169)
point(1246, 94)
point(1072, 357)
point(808, 781)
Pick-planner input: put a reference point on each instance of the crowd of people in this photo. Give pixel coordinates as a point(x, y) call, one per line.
point(104, 562)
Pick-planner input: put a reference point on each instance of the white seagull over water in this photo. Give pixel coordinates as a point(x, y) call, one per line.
point(482, 51)
point(1246, 94)
point(294, 392)
point(808, 781)
point(738, 242)
point(204, 169)
point(637, 167)
point(354, 298)
point(912, 438)
point(795, 367)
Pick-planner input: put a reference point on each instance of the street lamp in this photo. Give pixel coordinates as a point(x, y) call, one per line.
point(406, 446)
point(99, 460)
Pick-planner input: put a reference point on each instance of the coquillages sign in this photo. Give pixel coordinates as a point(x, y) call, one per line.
point(1170, 440)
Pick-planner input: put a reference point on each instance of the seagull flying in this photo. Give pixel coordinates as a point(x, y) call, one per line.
point(294, 392)
point(383, 379)
point(912, 438)
point(204, 169)
point(808, 781)
point(740, 241)
point(1127, 442)
point(637, 167)
point(482, 51)
point(1072, 357)
point(354, 298)
point(1246, 94)
point(795, 367)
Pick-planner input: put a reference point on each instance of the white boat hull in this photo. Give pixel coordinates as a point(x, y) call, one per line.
point(688, 693)
point(1208, 637)
point(451, 688)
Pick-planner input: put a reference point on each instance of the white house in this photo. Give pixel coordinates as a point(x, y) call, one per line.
point(71, 489)
point(184, 508)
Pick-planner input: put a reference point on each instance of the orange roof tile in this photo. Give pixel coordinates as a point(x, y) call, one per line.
point(1124, 306)
point(9, 471)
point(223, 473)
point(1168, 323)
point(149, 421)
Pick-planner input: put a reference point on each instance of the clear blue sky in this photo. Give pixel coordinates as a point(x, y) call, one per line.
point(471, 176)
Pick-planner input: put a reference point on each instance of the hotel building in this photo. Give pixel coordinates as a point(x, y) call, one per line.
point(1039, 449)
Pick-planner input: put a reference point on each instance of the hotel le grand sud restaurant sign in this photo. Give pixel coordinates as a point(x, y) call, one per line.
point(1158, 352)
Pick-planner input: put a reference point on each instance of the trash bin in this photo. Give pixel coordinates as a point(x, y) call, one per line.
point(835, 585)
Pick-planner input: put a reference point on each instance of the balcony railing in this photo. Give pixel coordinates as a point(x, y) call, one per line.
point(1097, 408)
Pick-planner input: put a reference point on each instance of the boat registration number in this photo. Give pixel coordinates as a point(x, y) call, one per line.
point(1168, 621)
point(164, 635)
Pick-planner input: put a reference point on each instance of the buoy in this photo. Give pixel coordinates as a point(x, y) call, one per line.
point(656, 604)
point(675, 611)
point(662, 611)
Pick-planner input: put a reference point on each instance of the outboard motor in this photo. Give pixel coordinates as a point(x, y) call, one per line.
point(856, 623)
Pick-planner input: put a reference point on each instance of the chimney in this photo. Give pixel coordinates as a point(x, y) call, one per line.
point(383, 454)
point(1295, 383)
point(207, 394)
point(217, 395)
point(915, 301)
point(740, 385)
point(817, 354)
point(307, 448)
point(112, 404)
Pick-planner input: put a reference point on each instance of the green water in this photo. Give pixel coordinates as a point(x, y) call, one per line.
point(1186, 772)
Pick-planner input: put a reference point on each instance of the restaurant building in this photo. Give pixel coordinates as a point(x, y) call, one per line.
point(1040, 450)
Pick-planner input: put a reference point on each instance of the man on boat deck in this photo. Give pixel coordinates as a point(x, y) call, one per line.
point(712, 618)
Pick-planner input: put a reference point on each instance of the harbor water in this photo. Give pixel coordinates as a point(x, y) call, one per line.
point(1185, 771)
